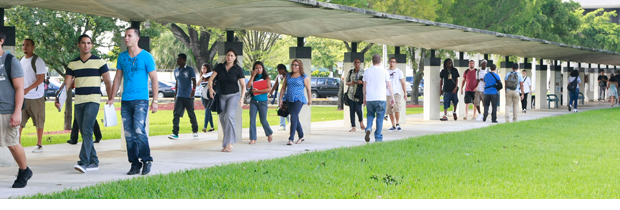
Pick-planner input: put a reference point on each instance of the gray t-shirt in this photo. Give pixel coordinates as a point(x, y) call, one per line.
point(7, 95)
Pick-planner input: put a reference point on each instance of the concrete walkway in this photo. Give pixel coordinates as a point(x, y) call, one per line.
point(53, 169)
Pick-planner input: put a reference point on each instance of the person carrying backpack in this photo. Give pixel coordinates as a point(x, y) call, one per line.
point(491, 96)
point(514, 82)
point(573, 89)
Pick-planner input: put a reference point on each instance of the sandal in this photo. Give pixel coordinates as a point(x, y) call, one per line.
point(299, 141)
point(269, 138)
point(352, 129)
point(252, 141)
point(290, 143)
point(204, 130)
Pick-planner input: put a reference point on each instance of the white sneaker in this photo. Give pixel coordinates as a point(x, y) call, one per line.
point(37, 149)
point(80, 168)
point(195, 135)
point(479, 118)
point(281, 128)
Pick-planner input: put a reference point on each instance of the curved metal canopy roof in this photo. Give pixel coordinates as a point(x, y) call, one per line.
point(302, 18)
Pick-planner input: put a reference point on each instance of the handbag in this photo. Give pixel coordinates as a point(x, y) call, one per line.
point(247, 97)
point(283, 110)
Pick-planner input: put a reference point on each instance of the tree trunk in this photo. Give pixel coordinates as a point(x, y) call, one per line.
point(418, 74)
point(199, 45)
point(68, 110)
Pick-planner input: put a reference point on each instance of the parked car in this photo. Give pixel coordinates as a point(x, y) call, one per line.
point(166, 89)
point(408, 87)
point(53, 87)
point(324, 87)
point(420, 87)
point(199, 88)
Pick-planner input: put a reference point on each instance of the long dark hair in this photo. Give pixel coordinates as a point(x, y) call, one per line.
point(236, 62)
point(206, 65)
point(574, 73)
point(265, 76)
point(445, 63)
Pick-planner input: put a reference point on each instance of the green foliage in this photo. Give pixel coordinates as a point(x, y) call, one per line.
point(317, 73)
point(56, 32)
point(165, 50)
point(597, 32)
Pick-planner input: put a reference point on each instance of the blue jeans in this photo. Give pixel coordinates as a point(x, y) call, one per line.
point(375, 109)
point(86, 116)
point(208, 116)
point(574, 98)
point(294, 108)
point(283, 121)
point(260, 107)
point(134, 116)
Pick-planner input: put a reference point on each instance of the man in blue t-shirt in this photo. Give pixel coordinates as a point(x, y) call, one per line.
point(134, 67)
point(184, 96)
point(491, 95)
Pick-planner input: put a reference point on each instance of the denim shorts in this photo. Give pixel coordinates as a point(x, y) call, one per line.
point(449, 96)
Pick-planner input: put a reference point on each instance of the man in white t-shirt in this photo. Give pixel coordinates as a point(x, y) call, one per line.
point(376, 81)
point(527, 87)
point(397, 79)
point(480, 89)
point(34, 75)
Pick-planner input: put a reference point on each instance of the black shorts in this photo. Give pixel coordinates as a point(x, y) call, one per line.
point(469, 97)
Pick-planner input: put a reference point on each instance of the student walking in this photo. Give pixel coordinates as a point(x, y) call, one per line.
point(527, 87)
point(354, 80)
point(184, 88)
point(12, 96)
point(602, 83)
point(470, 83)
point(573, 90)
point(376, 81)
point(135, 66)
point(281, 74)
point(293, 85)
point(480, 89)
point(491, 94)
point(448, 84)
point(34, 75)
point(513, 82)
point(612, 91)
point(231, 80)
point(204, 79)
point(259, 102)
point(397, 78)
point(87, 71)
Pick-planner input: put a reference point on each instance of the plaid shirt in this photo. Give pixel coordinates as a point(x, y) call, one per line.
point(353, 87)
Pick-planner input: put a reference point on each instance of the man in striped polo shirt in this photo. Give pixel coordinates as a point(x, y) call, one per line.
point(87, 70)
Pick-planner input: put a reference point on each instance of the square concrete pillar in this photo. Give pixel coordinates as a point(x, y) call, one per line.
point(541, 87)
point(555, 86)
point(304, 54)
point(461, 66)
point(347, 65)
point(221, 50)
point(596, 89)
point(401, 60)
point(590, 92)
point(432, 67)
point(582, 86)
point(528, 68)
point(565, 75)
point(505, 67)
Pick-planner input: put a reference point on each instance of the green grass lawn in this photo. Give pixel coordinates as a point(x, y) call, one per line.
point(161, 122)
point(569, 156)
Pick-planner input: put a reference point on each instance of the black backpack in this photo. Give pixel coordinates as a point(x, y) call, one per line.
point(572, 86)
point(7, 68)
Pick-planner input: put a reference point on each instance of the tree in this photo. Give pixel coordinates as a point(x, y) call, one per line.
point(55, 34)
point(165, 49)
point(596, 31)
point(197, 40)
point(257, 46)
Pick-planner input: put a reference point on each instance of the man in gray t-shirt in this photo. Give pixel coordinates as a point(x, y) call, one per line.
point(11, 101)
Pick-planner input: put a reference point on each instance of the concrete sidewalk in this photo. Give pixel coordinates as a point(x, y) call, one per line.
point(53, 169)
